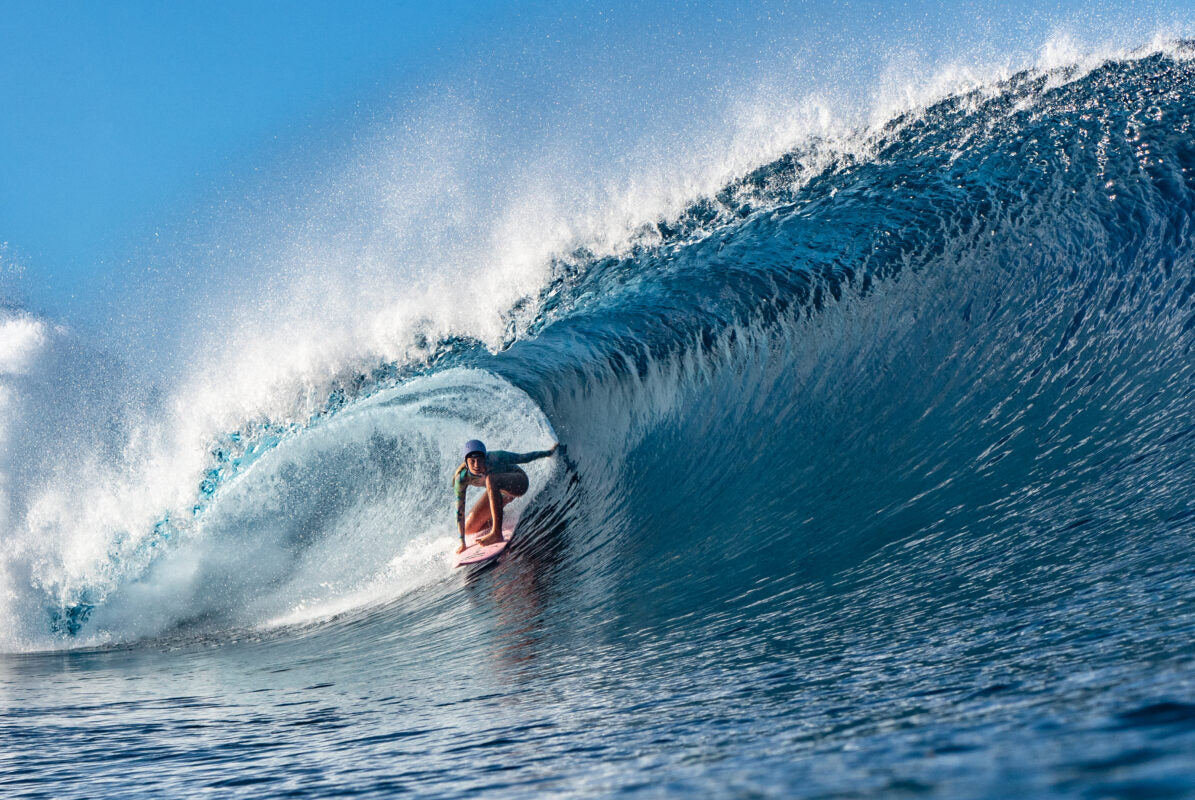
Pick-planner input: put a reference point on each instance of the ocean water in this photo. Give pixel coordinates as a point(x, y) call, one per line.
point(880, 481)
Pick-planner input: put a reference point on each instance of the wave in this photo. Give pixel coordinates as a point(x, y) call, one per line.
point(966, 335)
point(972, 345)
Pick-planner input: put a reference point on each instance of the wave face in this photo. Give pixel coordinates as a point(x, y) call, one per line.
point(878, 481)
point(968, 351)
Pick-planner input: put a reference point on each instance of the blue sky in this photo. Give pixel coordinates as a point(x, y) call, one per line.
point(113, 111)
point(119, 118)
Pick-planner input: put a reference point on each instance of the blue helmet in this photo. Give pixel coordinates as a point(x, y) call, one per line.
point(473, 446)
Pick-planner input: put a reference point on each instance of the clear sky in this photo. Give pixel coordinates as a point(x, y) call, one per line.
point(117, 118)
point(110, 111)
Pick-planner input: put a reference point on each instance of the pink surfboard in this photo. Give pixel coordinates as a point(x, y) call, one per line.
point(477, 553)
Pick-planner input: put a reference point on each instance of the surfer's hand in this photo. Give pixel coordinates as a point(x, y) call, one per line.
point(462, 548)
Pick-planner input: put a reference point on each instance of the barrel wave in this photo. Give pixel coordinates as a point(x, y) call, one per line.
point(878, 480)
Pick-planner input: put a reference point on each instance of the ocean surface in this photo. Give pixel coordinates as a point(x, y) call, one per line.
point(879, 482)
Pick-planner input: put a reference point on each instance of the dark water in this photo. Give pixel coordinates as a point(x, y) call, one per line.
point(879, 483)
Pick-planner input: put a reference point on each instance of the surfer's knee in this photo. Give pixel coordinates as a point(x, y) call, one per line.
point(507, 485)
point(515, 484)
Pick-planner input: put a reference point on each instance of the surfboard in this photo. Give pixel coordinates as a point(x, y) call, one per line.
point(479, 554)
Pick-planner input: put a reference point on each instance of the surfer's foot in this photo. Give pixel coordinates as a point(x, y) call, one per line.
point(493, 538)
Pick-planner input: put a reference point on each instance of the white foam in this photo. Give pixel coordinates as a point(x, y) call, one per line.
point(344, 514)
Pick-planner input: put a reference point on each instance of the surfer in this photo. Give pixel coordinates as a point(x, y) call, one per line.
point(497, 472)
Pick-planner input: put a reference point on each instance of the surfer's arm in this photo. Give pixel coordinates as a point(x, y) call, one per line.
point(460, 517)
point(523, 458)
point(459, 486)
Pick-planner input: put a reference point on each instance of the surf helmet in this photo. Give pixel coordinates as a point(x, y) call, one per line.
point(473, 446)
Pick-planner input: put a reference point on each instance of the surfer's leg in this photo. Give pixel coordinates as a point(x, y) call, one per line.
point(497, 502)
point(512, 484)
point(501, 489)
point(479, 517)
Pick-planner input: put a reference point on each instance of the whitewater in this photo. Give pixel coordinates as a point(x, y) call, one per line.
point(878, 478)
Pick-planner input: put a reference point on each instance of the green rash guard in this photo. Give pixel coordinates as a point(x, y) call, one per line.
point(496, 461)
